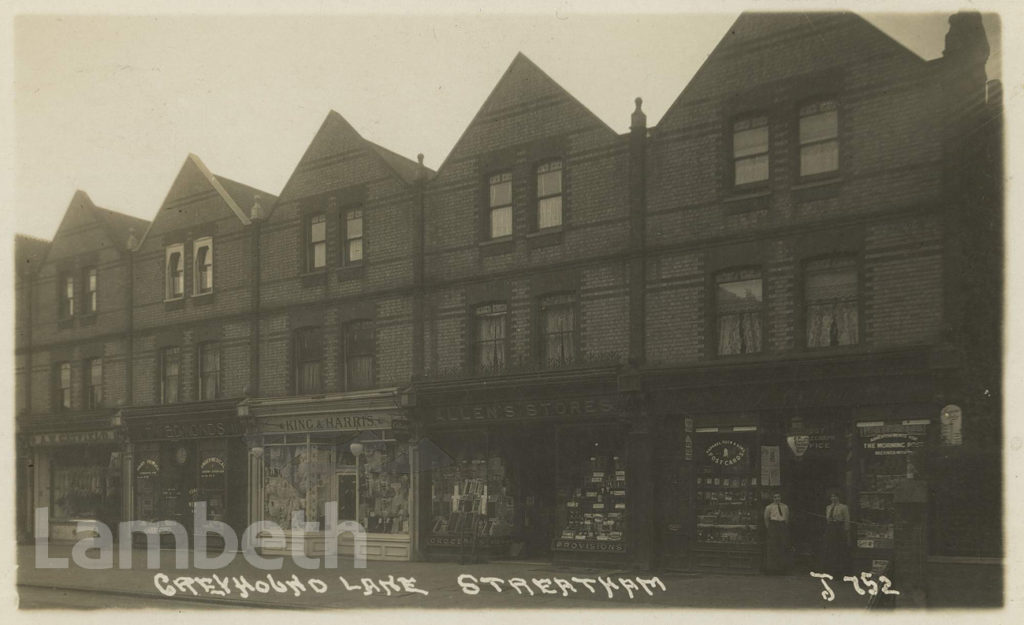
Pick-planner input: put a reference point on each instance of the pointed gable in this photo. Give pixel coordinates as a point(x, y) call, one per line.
point(760, 48)
point(526, 104)
point(323, 165)
point(87, 227)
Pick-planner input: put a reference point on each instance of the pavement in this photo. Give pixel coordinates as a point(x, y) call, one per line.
point(423, 585)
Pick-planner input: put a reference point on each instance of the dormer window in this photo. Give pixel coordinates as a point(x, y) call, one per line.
point(175, 271)
point(202, 252)
point(819, 138)
point(750, 150)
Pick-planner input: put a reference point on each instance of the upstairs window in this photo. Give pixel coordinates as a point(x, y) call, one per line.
point(500, 215)
point(739, 305)
point(309, 356)
point(202, 252)
point(750, 150)
point(831, 302)
point(67, 296)
point(63, 386)
point(170, 375)
point(359, 355)
point(175, 273)
point(209, 370)
point(549, 195)
point(819, 138)
point(558, 330)
point(353, 236)
point(94, 381)
point(316, 241)
point(489, 347)
point(91, 293)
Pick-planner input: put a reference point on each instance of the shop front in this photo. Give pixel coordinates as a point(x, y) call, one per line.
point(184, 454)
point(525, 470)
point(75, 473)
point(349, 448)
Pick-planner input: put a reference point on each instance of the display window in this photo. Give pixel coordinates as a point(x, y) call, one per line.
point(592, 512)
point(85, 483)
point(728, 498)
point(887, 458)
point(297, 477)
point(373, 483)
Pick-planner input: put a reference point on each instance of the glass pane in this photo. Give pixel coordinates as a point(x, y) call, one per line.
point(819, 158)
point(96, 371)
point(753, 169)
point(818, 127)
point(501, 222)
point(355, 250)
point(92, 279)
point(501, 193)
point(750, 142)
point(739, 296)
point(549, 183)
point(739, 333)
point(309, 377)
point(550, 212)
point(355, 225)
point(360, 372)
point(832, 324)
point(319, 254)
point(318, 229)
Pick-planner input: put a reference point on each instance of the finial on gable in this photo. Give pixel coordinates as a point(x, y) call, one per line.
point(133, 241)
point(639, 119)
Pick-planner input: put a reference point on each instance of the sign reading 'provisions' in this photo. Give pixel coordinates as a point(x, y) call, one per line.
point(510, 411)
point(331, 423)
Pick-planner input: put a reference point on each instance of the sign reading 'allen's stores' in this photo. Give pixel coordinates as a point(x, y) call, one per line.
point(540, 409)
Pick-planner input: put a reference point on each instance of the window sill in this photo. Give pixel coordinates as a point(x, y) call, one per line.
point(816, 189)
point(174, 304)
point(746, 201)
point(739, 195)
point(495, 247)
point(202, 299)
point(168, 300)
point(545, 238)
point(816, 183)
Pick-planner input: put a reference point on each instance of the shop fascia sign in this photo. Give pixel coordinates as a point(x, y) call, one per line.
point(893, 444)
point(174, 431)
point(74, 438)
point(726, 452)
point(355, 422)
point(514, 410)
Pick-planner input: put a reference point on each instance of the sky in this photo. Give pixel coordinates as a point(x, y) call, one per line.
point(112, 103)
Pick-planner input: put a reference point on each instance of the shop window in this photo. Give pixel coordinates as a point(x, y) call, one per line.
point(558, 330)
point(175, 271)
point(67, 296)
point(549, 195)
point(500, 206)
point(593, 514)
point(170, 375)
point(91, 293)
point(729, 503)
point(63, 386)
point(373, 485)
point(209, 370)
point(889, 455)
point(316, 242)
point(297, 477)
point(85, 484)
point(739, 305)
point(309, 361)
point(353, 236)
point(213, 477)
point(750, 150)
point(203, 265)
point(489, 345)
point(819, 138)
point(94, 381)
point(359, 355)
point(831, 302)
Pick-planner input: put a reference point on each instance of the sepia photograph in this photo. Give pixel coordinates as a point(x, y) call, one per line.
point(548, 306)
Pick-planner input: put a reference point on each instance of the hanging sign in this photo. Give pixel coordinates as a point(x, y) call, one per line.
point(952, 425)
point(726, 452)
point(798, 444)
point(771, 474)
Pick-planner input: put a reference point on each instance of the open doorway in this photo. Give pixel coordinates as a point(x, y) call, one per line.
point(811, 477)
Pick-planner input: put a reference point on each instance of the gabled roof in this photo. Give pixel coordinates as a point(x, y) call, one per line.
point(407, 169)
point(756, 30)
point(117, 225)
point(121, 225)
point(219, 188)
point(244, 195)
point(29, 253)
point(523, 81)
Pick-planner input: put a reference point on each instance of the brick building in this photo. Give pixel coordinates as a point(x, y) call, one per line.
point(575, 344)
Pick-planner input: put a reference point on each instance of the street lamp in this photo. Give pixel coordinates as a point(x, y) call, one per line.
point(357, 450)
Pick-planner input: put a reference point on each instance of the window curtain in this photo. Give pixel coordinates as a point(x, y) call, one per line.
point(739, 333)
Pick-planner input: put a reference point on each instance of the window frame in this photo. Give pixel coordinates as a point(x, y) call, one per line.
point(202, 373)
point(359, 347)
point(91, 282)
point(165, 362)
point(549, 302)
point(540, 198)
point(347, 239)
point(735, 159)
point(845, 261)
point(197, 272)
point(800, 144)
point(63, 395)
point(479, 314)
point(742, 274)
point(310, 244)
point(93, 386)
point(493, 180)
point(170, 277)
point(300, 357)
point(67, 287)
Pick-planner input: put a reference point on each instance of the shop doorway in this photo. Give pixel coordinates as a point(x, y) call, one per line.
point(811, 478)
